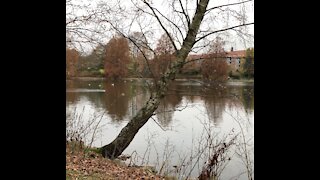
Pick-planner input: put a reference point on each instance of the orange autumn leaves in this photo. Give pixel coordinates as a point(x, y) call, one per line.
point(117, 58)
point(72, 58)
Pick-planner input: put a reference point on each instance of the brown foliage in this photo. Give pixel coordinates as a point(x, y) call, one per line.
point(190, 66)
point(214, 70)
point(117, 58)
point(161, 63)
point(165, 56)
point(164, 46)
point(72, 58)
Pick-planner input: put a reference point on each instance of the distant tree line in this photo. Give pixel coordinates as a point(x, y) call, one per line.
point(121, 58)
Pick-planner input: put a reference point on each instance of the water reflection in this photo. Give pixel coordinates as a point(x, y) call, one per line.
point(139, 94)
point(123, 99)
point(248, 98)
point(168, 105)
point(77, 90)
point(71, 97)
point(215, 103)
point(117, 96)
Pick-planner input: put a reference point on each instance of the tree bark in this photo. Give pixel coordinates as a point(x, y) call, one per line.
point(122, 141)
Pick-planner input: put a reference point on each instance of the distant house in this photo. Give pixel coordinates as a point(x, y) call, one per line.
point(233, 59)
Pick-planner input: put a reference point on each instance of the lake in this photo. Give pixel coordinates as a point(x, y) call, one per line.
point(191, 119)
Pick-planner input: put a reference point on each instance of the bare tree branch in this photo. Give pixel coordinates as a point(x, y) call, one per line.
point(158, 19)
point(184, 13)
point(218, 7)
point(221, 30)
point(171, 22)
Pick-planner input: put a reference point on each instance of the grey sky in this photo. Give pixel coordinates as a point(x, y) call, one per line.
point(213, 21)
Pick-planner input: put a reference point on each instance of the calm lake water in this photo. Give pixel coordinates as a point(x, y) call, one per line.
point(179, 130)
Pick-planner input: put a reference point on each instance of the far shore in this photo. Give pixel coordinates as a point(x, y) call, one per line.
point(179, 79)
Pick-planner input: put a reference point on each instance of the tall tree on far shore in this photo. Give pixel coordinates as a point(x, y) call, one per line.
point(138, 48)
point(248, 66)
point(215, 68)
point(117, 58)
point(164, 56)
point(72, 58)
point(164, 45)
point(93, 61)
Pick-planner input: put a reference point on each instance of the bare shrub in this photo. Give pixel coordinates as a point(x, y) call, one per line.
point(81, 131)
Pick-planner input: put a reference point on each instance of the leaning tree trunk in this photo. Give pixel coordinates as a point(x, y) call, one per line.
point(115, 148)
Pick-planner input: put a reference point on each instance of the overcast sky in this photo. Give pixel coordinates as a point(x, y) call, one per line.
point(214, 20)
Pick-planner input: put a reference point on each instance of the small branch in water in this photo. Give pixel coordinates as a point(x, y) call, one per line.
point(158, 124)
point(95, 129)
point(173, 110)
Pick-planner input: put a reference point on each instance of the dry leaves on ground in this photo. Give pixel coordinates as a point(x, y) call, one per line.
point(94, 166)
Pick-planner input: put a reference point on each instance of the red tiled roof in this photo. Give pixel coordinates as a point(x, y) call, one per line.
point(197, 56)
point(240, 53)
